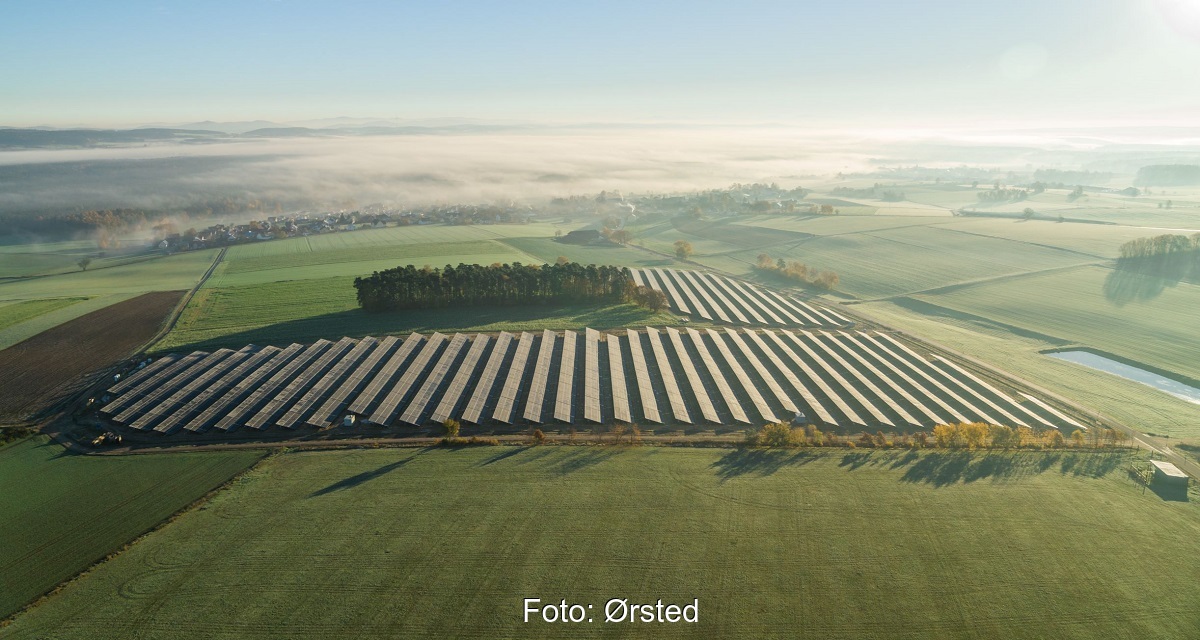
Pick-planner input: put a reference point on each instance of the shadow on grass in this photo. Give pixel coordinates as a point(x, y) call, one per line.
point(740, 462)
point(943, 468)
point(1170, 493)
point(362, 478)
point(558, 460)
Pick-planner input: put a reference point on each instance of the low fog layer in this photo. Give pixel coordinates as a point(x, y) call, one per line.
point(413, 170)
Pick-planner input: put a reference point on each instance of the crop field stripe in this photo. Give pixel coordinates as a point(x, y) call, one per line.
point(956, 381)
point(914, 361)
point(337, 401)
point(386, 411)
point(731, 299)
point(491, 371)
point(641, 372)
point(764, 409)
point(215, 413)
point(702, 289)
point(363, 402)
point(462, 378)
point(818, 340)
point(718, 377)
point(816, 379)
point(1054, 412)
point(956, 373)
point(227, 387)
point(697, 306)
point(996, 392)
point(287, 393)
point(870, 350)
point(764, 373)
point(535, 400)
point(412, 414)
point(745, 294)
point(512, 383)
point(833, 345)
point(591, 375)
point(321, 390)
point(622, 411)
point(699, 391)
point(131, 395)
point(841, 381)
point(266, 391)
point(811, 400)
point(229, 375)
point(671, 385)
point(172, 378)
point(138, 376)
point(665, 285)
point(182, 391)
point(566, 378)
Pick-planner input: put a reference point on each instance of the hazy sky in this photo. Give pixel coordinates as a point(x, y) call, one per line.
point(882, 63)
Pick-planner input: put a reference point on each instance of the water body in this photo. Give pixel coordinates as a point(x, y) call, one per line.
point(1174, 387)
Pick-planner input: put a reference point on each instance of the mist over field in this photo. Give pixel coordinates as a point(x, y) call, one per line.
point(329, 170)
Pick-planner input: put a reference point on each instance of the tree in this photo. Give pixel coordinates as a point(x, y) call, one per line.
point(683, 249)
point(451, 426)
point(1028, 213)
point(561, 261)
point(84, 263)
point(1077, 438)
point(621, 236)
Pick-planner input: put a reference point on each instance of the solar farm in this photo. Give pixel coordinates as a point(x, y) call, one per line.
point(719, 299)
point(729, 376)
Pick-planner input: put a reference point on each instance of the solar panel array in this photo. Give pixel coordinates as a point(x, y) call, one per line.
point(854, 379)
point(719, 299)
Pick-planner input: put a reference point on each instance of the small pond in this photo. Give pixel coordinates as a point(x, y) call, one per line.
point(1148, 378)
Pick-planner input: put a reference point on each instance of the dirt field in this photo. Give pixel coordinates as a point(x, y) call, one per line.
point(41, 370)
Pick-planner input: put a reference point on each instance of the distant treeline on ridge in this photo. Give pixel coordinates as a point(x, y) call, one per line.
point(495, 285)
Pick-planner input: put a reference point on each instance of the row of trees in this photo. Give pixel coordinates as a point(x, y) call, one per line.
point(1164, 245)
point(797, 271)
point(968, 436)
point(495, 285)
point(644, 296)
point(1002, 195)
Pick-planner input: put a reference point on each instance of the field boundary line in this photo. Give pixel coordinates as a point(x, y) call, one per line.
point(177, 313)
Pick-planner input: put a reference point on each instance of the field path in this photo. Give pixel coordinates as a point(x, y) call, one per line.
point(173, 319)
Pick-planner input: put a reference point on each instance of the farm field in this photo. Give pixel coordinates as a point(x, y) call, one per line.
point(60, 512)
point(168, 273)
point(437, 543)
point(20, 331)
point(548, 250)
point(37, 371)
point(1072, 305)
point(22, 311)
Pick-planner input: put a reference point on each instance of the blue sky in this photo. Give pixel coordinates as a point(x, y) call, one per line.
point(884, 63)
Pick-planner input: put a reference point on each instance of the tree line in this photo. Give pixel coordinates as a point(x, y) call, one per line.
point(410, 287)
point(968, 436)
point(797, 271)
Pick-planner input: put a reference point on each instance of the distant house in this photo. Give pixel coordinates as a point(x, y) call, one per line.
point(581, 236)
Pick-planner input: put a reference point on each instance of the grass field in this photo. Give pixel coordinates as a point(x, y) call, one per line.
point(167, 273)
point(22, 311)
point(60, 512)
point(436, 543)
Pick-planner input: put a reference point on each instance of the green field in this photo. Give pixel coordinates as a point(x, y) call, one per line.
point(166, 273)
point(60, 512)
point(22, 311)
point(437, 543)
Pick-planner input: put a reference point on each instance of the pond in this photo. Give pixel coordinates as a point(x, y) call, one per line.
point(1129, 372)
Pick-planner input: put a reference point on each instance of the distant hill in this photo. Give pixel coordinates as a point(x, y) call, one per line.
point(1169, 175)
point(43, 138)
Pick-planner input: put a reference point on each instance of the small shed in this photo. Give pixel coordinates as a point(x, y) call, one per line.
point(1168, 474)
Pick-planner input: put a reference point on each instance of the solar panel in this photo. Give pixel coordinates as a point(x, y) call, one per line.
point(491, 371)
point(815, 378)
point(841, 382)
point(218, 379)
point(764, 374)
point(416, 407)
point(286, 393)
point(1054, 412)
point(591, 376)
point(182, 390)
point(667, 375)
point(718, 377)
point(641, 372)
point(699, 392)
point(708, 301)
point(809, 399)
point(147, 385)
point(387, 409)
point(946, 364)
point(727, 297)
point(831, 352)
point(914, 363)
point(462, 377)
point(566, 378)
point(616, 378)
point(764, 410)
point(637, 278)
point(871, 352)
point(337, 401)
point(664, 284)
point(380, 380)
point(320, 391)
point(242, 389)
point(139, 375)
point(191, 366)
point(678, 283)
point(825, 315)
point(792, 309)
point(512, 383)
point(746, 294)
point(541, 375)
point(266, 391)
point(210, 402)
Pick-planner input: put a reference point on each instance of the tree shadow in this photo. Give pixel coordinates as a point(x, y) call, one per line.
point(366, 476)
point(503, 455)
point(1143, 279)
point(740, 462)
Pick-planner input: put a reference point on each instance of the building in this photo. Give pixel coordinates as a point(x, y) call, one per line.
point(1168, 474)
